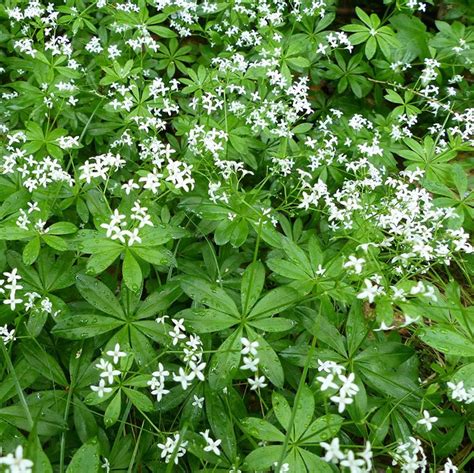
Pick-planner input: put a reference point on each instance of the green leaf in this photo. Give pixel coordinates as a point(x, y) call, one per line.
point(35, 453)
point(43, 362)
point(322, 429)
point(220, 421)
point(62, 228)
point(85, 459)
point(48, 422)
point(298, 62)
point(154, 255)
point(55, 242)
point(159, 300)
point(209, 294)
point(31, 251)
point(314, 463)
point(282, 409)
point(132, 273)
point(84, 421)
point(112, 412)
point(446, 340)
point(98, 295)
point(225, 362)
point(100, 261)
point(393, 97)
point(269, 361)
point(207, 320)
point(251, 287)
point(12, 232)
point(272, 324)
point(274, 302)
point(263, 458)
point(139, 400)
point(162, 31)
point(319, 326)
point(81, 326)
point(261, 429)
point(304, 411)
point(370, 48)
point(356, 328)
point(412, 35)
point(302, 128)
point(363, 16)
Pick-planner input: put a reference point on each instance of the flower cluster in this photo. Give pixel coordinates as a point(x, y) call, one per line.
point(360, 462)
point(287, 181)
point(115, 229)
point(108, 371)
point(12, 286)
point(249, 353)
point(192, 357)
point(335, 379)
point(173, 448)
point(410, 456)
point(460, 393)
point(7, 335)
point(34, 173)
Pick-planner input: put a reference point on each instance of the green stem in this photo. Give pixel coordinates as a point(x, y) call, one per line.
point(18, 387)
point(295, 405)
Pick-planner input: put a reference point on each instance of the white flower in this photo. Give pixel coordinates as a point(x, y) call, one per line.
point(249, 347)
point(352, 462)
point(427, 420)
point(7, 335)
point(330, 367)
point(356, 263)
point(384, 327)
point(132, 236)
point(197, 369)
point(101, 389)
point(257, 382)
point(212, 445)
point(161, 372)
point(449, 467)
point(250, 363)
point(109, 373)
point(116, 353)
point(369, 292)
point(198, 402)
point(173, 446)
point(106, 465)
point(183, 378)
point(327, 382)
point(349, 387)
point(367, 455)
point(102, 365)
point(410, 320)
point(17, 463)
point(342, 400)
point(333, 451)
point(129, 186)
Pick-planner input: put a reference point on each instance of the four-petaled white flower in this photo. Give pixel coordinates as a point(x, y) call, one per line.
point(212, 445)
point(101, 389)
point(109, 373)
point(257, 383)
point(249, 347)
point(17, 463)
point(116, 353)
point(427, 420)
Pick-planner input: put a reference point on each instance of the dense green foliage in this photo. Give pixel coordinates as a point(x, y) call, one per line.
point(234, 236)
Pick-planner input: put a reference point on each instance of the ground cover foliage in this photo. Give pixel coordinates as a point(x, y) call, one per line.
point(234, 236)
